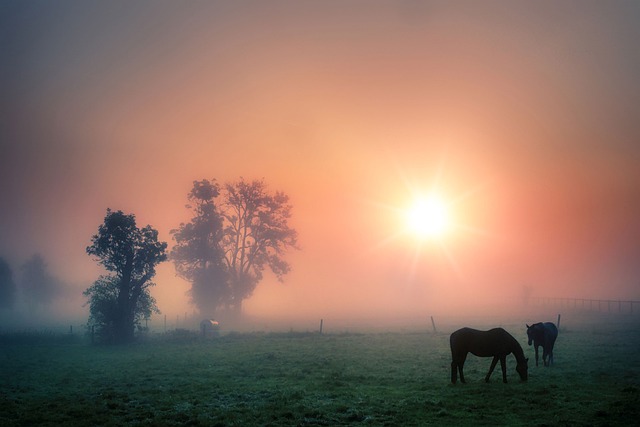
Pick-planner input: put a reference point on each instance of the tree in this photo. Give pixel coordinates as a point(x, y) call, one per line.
point(103, 306)
point(38, 287)
point(225, 248)
point(198, 255)
point(119, 301)
point(256, 235)
point(7, 286)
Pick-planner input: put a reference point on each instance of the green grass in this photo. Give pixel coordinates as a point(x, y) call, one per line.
point(309, 379)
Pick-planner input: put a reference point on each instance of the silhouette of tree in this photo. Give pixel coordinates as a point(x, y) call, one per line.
point(256, 235)
point(225, 248)
point(105, 311)
point(38, 287)
point(7, 286)
point(119, 301)
point(198, 255)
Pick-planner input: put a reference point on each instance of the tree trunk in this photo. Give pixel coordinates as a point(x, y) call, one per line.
point(124, 324)
point(121, 332)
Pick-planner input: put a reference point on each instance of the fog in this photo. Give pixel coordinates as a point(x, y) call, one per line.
point(523, 117)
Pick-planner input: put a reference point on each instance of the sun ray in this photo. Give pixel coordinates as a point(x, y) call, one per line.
point(452, 261)
point(428, 220)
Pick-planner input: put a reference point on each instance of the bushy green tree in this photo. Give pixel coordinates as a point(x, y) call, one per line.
point(104, 311)
point(119, 301)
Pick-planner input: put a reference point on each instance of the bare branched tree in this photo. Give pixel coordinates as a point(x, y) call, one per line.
point(225, 248)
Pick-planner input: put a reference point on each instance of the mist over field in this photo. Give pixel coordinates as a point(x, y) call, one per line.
point(521, 117)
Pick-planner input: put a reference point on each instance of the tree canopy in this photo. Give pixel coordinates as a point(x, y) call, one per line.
point(120, 300)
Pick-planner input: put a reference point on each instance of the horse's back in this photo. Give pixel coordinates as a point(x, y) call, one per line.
point(541, 331)
point(462, 333)
point(470, 333)
point(551, 330)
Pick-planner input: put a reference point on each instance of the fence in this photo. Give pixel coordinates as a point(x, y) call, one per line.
point(629, 307)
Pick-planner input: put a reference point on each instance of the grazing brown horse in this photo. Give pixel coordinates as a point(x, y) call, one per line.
point(496, 343)
point(543, 334)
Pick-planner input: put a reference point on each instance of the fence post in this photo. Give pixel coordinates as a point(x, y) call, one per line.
point(558, 321)
point(321, 322)
point(435, 331)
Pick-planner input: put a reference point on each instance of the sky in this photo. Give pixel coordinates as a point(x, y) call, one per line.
point(522, 116)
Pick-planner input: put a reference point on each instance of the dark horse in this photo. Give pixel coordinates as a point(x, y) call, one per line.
point(543, 334)
point(495, 342)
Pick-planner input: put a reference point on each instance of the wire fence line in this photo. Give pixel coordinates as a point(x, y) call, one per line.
point(190, 321)
point(628, 307)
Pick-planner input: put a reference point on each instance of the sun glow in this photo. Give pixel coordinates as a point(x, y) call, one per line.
point(428, 218)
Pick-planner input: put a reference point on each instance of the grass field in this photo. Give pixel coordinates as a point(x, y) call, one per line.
point(288, 379)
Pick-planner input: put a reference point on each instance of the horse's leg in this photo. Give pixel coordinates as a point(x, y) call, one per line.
point(493, 365)
point(457, 362)
point(462, 380)
point(536, 347)
point(553, 342)
point(460, 366)
point(503, 366)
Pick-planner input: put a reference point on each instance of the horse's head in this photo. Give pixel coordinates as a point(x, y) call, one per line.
point(535, 332)
point(529, 333)
point(523, 369)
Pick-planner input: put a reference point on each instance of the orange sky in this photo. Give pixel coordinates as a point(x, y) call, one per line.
point(524, 115)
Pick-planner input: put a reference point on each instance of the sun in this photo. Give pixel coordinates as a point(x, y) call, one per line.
point(428, 217)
